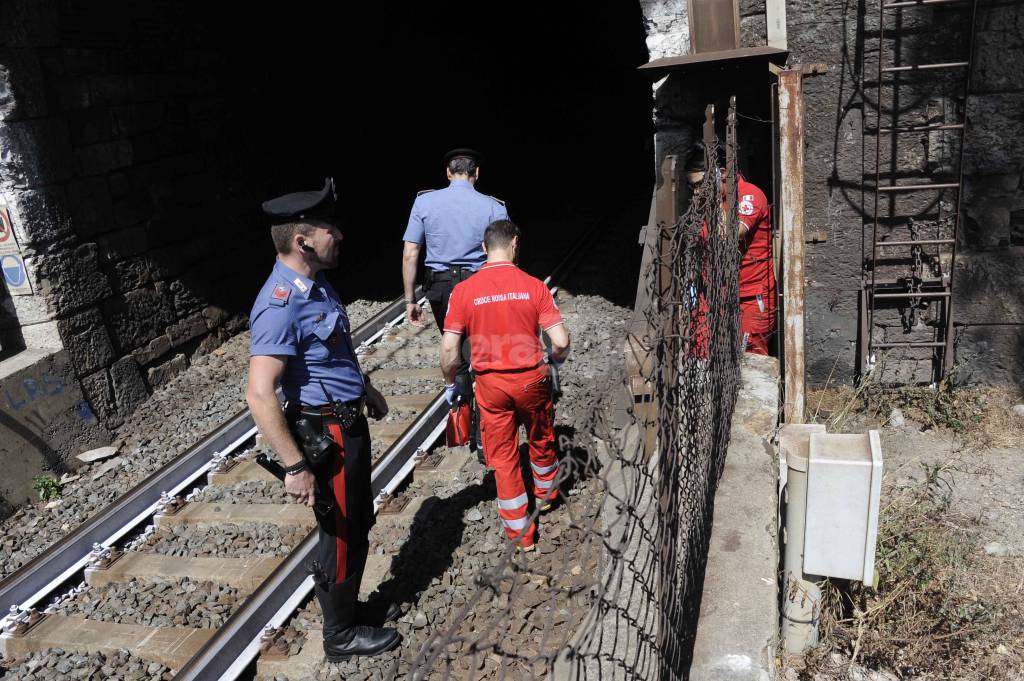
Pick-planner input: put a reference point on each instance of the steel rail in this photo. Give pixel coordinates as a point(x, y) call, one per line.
point(33, 582)
point(236, 644)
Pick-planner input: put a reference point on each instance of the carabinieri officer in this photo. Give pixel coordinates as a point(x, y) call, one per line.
point(451, 223)
point(300, 340)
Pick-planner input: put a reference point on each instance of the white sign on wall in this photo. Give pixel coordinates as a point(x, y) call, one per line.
point(12, 265)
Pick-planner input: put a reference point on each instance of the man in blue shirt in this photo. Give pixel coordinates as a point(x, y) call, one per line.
point(301, 340)
point(450, 222)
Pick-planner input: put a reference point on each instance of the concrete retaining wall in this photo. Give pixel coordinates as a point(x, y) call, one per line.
point(739, 615)
point(44, 422)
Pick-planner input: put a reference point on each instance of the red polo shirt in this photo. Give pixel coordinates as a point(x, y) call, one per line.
point(757, 273)
point(501, 309)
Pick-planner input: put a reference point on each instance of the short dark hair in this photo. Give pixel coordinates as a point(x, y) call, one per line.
point(282, 234)
point(499, 234)
point(462, 165)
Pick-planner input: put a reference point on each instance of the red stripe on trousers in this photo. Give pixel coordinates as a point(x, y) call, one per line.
point(340, 509)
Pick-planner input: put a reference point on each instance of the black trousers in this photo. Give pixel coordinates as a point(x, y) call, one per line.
point(438, 293)
point(343, 483)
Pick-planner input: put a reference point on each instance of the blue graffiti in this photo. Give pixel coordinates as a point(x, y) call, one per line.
point(14, 404)
point(84, 411)
point(54, 386)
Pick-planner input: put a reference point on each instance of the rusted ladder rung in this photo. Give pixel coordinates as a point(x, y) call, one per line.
point(913, 294)
point(925, 67)
point(918, 187)
point(919, 242)
point(914, 128)
point(911, 344)
point(919, 3)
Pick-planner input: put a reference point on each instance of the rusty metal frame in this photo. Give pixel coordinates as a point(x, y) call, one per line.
point(791, 210)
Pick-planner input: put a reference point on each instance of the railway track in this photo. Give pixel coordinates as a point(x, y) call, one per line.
point(132, 540)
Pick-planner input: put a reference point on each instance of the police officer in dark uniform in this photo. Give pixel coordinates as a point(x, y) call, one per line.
point(301, 340)
point(450, 222)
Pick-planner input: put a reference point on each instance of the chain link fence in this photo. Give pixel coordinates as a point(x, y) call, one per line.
point(618, 595)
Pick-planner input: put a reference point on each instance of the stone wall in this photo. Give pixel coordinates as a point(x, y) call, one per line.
point(44, 422)
point(126, 195)
point(839, 158)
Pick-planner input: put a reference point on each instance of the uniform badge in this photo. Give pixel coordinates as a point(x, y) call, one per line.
point(300, 285)
point(279, 296)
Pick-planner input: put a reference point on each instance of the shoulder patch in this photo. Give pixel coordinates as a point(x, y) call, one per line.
point(495, 198)
point(279, 296)
point(425, 191)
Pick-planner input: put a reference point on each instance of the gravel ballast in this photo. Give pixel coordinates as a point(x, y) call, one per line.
point(225, 541)
point(60, 665)
point(175, 417)
point(183, 603)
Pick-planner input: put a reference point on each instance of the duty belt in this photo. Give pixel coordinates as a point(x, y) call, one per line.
point(344, 413)
point(454, 273)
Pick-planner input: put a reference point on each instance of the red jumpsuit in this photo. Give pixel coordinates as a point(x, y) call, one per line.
point(757, 271)
point(501, 309)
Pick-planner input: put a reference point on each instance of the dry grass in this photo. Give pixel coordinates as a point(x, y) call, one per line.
point(941, 609)
point(980, 416)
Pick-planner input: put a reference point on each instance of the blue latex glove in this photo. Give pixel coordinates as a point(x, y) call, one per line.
point(452, 395)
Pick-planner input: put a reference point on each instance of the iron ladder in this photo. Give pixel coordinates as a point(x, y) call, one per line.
point(914, 291)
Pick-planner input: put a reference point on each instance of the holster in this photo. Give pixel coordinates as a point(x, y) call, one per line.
point(315, 444)
point(309, 430)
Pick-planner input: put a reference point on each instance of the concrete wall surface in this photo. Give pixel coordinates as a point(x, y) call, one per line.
point(839, 168)
point(739, 616)
point(44, 422)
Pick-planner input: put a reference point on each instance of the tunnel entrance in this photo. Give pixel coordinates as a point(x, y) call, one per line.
point(548, 93)
point(140, 138)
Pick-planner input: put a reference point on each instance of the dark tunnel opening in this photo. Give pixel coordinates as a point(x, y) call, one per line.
point(548, 93)
point(141, 138)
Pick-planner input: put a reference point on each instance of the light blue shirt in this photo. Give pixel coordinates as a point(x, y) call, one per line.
point(451, 221)
point(303, 320)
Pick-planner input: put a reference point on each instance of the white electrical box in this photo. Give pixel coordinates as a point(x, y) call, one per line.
point(844, 483)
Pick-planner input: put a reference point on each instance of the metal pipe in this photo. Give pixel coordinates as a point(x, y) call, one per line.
point(920, 128)
point(918, 3)
point(914, 294)
point(801, 593)
point(925, 67)
point(791, 159)
point(919, 242)
point(919, 187)
point(947, 356)
point(911, 344)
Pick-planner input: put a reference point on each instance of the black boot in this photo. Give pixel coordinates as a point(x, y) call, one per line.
point(343, 638)
point(376, 613)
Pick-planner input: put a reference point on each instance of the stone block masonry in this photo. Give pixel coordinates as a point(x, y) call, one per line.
point(839, 163)
point(125, 198)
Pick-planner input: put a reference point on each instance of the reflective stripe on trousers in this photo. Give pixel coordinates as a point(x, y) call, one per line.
point(507, 400)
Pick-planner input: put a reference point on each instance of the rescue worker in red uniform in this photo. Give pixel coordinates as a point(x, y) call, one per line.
point(757, 271)
point(502, 310)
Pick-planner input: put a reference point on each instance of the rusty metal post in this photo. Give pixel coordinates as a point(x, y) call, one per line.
point(791, 160)
point(665, 217)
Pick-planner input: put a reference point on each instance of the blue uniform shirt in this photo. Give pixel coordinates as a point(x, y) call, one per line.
point(303, 319)
point(452, 222)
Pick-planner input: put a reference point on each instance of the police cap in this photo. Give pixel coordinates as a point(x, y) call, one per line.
point(469, 153)
point(302, 205)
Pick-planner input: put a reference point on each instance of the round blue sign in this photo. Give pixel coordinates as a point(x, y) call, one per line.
point(14, 270)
